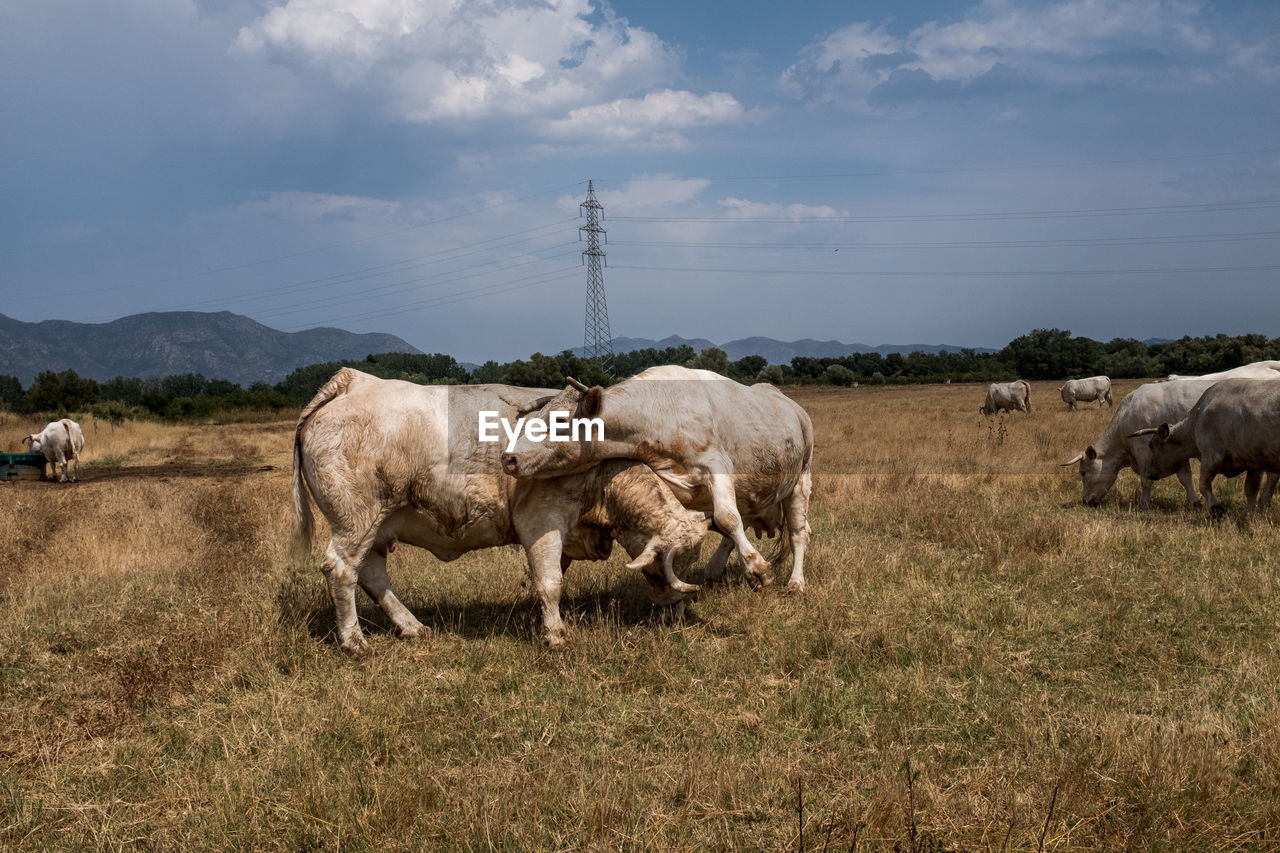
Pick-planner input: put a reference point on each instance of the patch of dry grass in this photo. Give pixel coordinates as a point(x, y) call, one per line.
point(980, 662)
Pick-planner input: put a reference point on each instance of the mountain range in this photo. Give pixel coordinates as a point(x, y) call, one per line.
point(224, 345)
point(218, 345)
point(781, 352)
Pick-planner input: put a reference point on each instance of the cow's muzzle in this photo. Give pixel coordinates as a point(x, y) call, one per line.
point(510, 464)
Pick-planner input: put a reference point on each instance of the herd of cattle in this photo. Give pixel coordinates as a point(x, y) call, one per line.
point(683, 452)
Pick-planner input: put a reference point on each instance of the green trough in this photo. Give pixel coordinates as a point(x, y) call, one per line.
point(21, 466)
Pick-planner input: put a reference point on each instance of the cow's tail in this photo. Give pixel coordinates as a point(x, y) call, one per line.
point(303, 521)
point(1026, 394)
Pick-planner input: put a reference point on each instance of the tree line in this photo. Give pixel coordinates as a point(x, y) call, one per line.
point(1042, 354)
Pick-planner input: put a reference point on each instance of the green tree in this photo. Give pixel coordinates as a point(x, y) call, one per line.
point(712, 358)
point(10, 392)
point(59, 392)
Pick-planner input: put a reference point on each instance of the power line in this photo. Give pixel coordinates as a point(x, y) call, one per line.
point(1174, 239)
point(1213, 207)
point(957, 273)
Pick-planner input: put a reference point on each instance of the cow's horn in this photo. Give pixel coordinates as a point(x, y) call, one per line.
point(646, 557)
point(669, 574)
point(1147, 431)
point(573, 383)
point(1073, 460)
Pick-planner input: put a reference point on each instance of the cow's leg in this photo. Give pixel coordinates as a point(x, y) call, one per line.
point(1207, 473)
point(725, 514)
point(1144, 491)
point(545, 553)
point(1268, 486)
point(715, 566)
point(339, 567)
point(60, 462)
point(374, 581)
point(1188, 483)
point(797, 512)
point(1252, 482)
point(75, 462)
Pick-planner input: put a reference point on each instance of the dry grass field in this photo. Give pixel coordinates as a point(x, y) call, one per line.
point(980, 663)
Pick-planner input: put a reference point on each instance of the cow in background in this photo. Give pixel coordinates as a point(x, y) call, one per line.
point(1011, 396)
point(61, 443)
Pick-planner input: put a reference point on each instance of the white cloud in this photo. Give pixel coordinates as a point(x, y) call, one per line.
point(655, 118)
point(746, 209)
point(305, 206)
point(448, 60)
point(1000, 45)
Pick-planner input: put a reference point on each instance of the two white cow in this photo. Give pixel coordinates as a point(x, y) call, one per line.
point(1121, 446)
point(388, 461)
point(61, 443)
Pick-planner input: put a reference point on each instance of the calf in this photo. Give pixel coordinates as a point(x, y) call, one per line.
point(60, 442)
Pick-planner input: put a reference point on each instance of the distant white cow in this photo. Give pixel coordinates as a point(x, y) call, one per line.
point(60, 442)
point(1086, 391)
point(1014, 396)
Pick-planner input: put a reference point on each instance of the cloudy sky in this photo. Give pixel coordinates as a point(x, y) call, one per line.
point(885, 171)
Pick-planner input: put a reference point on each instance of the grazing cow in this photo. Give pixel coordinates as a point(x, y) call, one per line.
point(1086, 391)
point(1116, 449)
point(1234, 427)
point(1254, 370)
point(1014, 396)
point(742, 453)
point(389, 461)
point(60, 442)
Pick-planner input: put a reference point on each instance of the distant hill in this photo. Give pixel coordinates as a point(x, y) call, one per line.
point(218, 345)
point(781, 352)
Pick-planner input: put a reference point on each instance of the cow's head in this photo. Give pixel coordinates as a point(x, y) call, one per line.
point(1166, 451)
point(1097, 475)
point(670, 552)
point(546, 458)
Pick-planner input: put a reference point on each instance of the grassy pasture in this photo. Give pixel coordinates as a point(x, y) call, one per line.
point(980, 663)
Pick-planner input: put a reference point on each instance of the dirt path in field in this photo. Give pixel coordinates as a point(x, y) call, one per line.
point(171, 470)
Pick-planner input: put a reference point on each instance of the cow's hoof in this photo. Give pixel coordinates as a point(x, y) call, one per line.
point(414, 632)
point(795, 587)
point(556, 641)
point(1217, 511)
point(759, 580)
point(358, 647)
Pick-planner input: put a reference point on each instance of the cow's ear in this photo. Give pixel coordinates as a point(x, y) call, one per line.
point(1090, 453)
point(1163, 432)
point(592, 402)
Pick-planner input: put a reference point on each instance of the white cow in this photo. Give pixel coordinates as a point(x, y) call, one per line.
point(1233, 428)
point(1086, 391)
point(1014, 396)
point(60, 442)
point(389, 461)
point(741, 452)
point(1253, 370)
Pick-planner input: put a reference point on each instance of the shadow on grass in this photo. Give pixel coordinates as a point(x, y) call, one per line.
point(303, 601)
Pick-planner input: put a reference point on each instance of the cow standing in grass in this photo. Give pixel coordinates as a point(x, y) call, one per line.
point(740, 452)
point(1010, 396)
point(1086, 391)
point(61, 443)
point(1234, 427)
point(389, 461)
